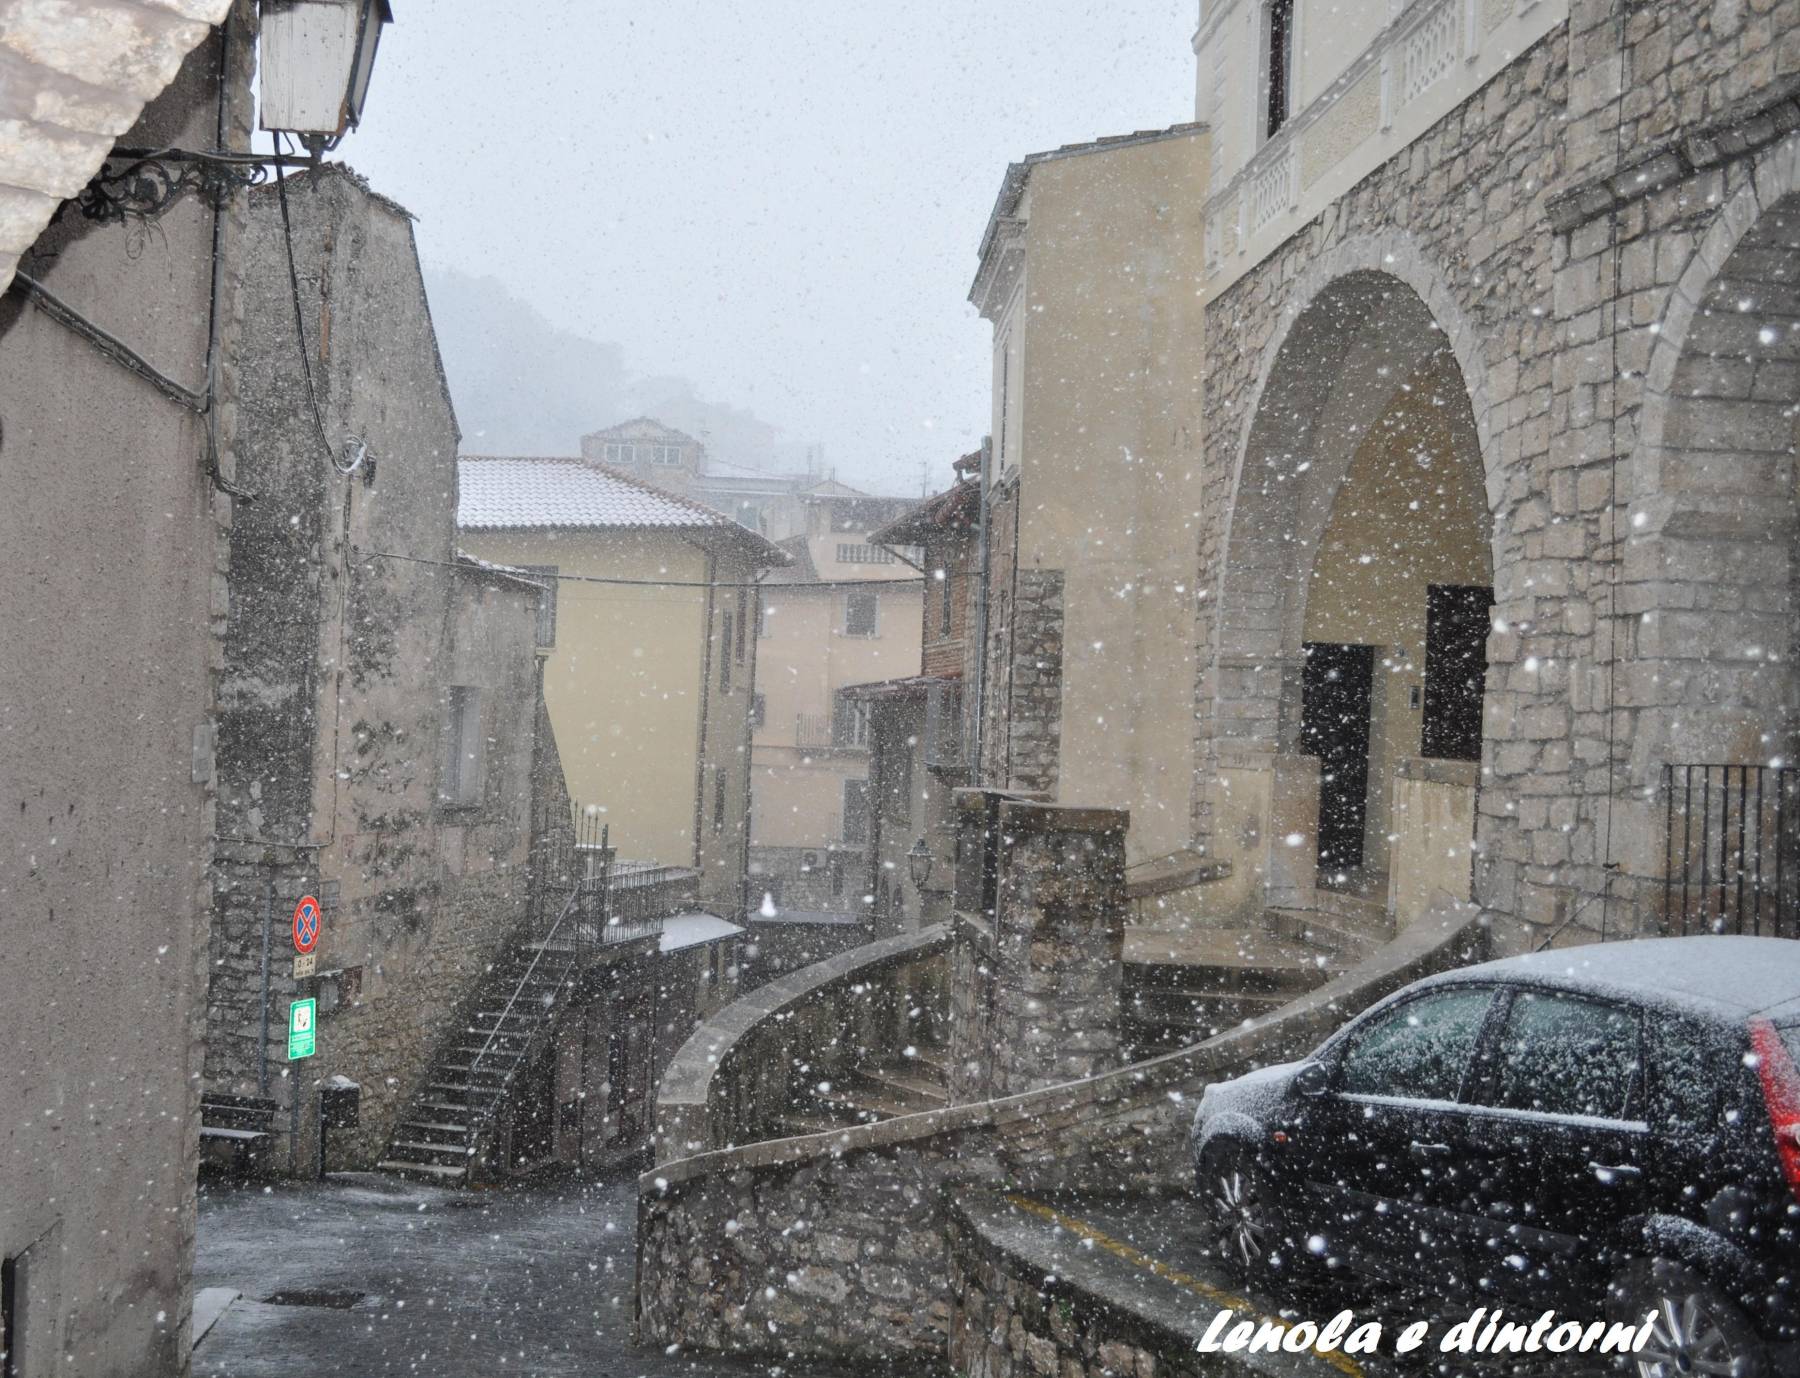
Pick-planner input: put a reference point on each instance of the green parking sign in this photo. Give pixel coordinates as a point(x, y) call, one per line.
point(302, 1030)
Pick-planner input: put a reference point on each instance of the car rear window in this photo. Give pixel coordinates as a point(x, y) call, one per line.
point(1790, 1039)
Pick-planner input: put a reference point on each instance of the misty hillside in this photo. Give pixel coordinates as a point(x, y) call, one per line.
point(523, 386)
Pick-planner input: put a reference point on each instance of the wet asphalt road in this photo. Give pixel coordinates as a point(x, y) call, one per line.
point(532, 1281)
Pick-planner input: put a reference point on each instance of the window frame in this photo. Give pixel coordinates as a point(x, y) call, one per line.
point(874, 597)
point(1337, 1049)
point(463, 782)
point(1268, 123)
point(866, 814)
point(1478, 1091)
point(546, 576)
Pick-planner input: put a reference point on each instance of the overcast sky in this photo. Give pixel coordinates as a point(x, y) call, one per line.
point(779, 200)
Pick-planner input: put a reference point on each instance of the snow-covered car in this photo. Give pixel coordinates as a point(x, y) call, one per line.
point(1610, 1126)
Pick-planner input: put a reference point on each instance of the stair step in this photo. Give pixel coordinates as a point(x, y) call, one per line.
point(906, 1084)
point(932, 1056)
point(432, 1127)
point(489, 1068)
point(795, 1125)
point(487, 1052)
point(431, 1172)
point(882, 1105)
point(453, 1152)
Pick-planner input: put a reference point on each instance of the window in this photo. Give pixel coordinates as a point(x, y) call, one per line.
point(1567, 1055)
point(854, 554)
point(546, 618)
point(464, 748)
point(849, 724)
point(856, 811)
point(862, 612)
point(897, 779)
point(943, 578)
point(666, 455)
point(718, 798)
point(725, 657)
point(743, 621)
point(1280, 29)
point(759, 710)
point(1419, 1050)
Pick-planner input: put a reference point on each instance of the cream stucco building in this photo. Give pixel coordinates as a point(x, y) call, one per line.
point(649, 646)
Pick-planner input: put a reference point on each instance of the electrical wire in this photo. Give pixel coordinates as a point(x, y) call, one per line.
point(352, 443)
point(646, 583)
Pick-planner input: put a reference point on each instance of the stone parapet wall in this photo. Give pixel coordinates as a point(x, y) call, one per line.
point(738, 1246)
point(746, 1065)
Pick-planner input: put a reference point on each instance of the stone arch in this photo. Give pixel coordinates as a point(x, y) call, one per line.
point(1711, 570)
point(1376, 310)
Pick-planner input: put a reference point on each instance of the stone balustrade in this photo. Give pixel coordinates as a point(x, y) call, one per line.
point(739, 1246)
point(749, 1063)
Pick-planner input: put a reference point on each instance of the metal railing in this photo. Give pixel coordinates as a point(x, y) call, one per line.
point(1732, 848)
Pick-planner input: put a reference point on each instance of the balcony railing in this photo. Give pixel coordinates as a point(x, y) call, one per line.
point(1732, 840)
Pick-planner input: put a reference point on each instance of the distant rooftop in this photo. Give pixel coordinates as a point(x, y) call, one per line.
point(526, 493)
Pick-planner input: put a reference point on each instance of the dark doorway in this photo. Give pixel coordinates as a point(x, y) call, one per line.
point(1456, 631)
point(1334, 726)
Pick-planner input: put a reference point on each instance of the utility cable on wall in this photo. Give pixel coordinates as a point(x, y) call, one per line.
point(354, 452)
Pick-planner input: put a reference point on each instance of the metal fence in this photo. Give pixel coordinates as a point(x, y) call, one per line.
point(1732, 850)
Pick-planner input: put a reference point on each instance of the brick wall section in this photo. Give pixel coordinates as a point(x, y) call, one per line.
point(739, 1248)
point(1586, 699)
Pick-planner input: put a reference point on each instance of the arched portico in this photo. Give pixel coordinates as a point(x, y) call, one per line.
point(1709, 595)
point(1358, 533)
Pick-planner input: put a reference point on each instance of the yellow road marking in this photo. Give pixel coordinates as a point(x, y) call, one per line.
point(1120, 1249)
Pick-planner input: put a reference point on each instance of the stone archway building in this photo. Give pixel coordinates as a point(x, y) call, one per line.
point(1568, 240)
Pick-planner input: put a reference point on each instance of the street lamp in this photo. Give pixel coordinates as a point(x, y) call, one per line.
point(316, 59)
point(918, 864)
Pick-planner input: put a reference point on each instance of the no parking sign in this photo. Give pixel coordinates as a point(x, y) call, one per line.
point(306, 924)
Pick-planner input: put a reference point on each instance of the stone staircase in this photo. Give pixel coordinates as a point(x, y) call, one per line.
point(450, 1117)
point(1182, 986)
point(904, 1085)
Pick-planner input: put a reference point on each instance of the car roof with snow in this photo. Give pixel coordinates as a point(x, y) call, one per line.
point(1717, 972)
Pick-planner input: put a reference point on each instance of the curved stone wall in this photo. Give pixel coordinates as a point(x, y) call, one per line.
point(736, 1246)
point(744, 1066)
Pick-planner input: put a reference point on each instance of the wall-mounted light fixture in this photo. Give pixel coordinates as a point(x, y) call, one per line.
point(918, 863)
point(316, 60)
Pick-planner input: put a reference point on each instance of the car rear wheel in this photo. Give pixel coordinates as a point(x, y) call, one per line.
point(1697, 1333)
point(1237, 1197)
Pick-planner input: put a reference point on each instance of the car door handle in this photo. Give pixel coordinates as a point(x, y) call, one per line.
point(1616, 1172)
point(1420, 1150)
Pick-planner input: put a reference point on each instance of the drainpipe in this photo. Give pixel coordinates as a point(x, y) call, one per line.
point(262, 1045)
point(981, 612)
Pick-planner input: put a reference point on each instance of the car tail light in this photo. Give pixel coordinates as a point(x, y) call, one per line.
point(1781, 1091)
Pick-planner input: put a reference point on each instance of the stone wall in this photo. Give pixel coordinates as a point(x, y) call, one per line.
point(744, 1066)
point(1036, 979)
point(739, 1248)
point(1010, 1316)
point(352, 628)
point(1560, 257)
point(1022, 709)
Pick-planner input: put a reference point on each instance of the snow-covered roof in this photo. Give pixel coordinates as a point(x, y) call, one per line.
point(534, 493)
point(691, 930)
point(499, 493)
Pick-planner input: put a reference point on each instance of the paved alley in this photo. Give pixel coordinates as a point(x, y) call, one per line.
point(371, 1275)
